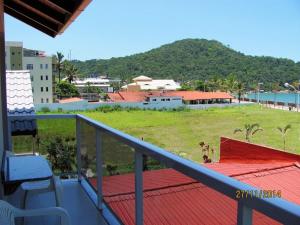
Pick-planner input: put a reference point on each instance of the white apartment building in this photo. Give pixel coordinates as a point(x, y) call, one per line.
point(39, 65)
point(102, 83)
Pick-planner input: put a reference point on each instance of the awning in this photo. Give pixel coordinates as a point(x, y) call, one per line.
point(49, 16)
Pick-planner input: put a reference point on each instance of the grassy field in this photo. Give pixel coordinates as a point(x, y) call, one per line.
point(182, 131)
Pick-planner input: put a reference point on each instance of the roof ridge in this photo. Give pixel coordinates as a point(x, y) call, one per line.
point(264, 170)
point(132, 195)
point(152, 189)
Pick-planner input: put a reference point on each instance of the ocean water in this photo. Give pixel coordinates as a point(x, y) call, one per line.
point(278, 97)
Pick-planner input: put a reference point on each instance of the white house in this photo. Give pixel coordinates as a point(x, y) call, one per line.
point(143, 83)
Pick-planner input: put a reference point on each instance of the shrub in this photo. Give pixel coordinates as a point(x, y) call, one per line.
point(45, 109)
point(61, 153)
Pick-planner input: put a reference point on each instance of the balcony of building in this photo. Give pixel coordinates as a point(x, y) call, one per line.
point(119, 179)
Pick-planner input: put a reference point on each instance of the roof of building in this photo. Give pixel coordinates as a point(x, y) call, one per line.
point(69, 100)
point(154, 85)
point(20, 101)
point(140, 96)
point(173, 198)
point(51, 17)
point(142, 78)
point(198, 95)
point(91, 81)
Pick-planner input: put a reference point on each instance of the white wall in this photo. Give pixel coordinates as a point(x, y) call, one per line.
point(85, 105)
point(221, 105)
point(37, 83)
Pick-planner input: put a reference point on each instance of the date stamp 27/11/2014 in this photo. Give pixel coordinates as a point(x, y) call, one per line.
point(257, 194)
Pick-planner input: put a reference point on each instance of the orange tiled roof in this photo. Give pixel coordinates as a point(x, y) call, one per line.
point(68, 100)
point(140, 96)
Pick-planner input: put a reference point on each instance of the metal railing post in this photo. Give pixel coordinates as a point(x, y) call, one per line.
point(78, 146)
point(244, 214)
point(138, 187)
point(9, 134)
point(99, 163)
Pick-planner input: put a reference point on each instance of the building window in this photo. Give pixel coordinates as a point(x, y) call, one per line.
point(162, 99)
point(13, 53)
point(32, 90)
point(154, 100)
point(46, 77)
point(168, 99)
point(47, 100)
point(42, 100)
point(46, 89)
point(13, 65)
point(42, 89)
point(29, 66)
point(46, 66)
point(41, 66)
point(31, 78)
point(42, 77)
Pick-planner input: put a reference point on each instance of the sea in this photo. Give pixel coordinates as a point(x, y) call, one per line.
point(278, 97)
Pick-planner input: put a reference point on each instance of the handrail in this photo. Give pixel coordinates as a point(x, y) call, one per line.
point(279, 209)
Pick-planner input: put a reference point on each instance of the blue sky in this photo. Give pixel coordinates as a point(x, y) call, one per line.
point(114, 28)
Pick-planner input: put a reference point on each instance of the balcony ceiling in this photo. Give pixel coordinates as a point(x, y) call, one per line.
point(49, 16)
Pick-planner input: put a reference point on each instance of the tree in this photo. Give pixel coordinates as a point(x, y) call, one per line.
point(59, 63)
point(249, 130)
point(91, 89)
point(230, 83)
point(240, 89)
point(61, 153)
point(275, 89)
point(65, 89)
point(70, 71)
point(283, 131)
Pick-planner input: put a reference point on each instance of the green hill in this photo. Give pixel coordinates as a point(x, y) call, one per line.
point(195, 59)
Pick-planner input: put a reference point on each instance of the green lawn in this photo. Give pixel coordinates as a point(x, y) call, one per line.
point(182, 131)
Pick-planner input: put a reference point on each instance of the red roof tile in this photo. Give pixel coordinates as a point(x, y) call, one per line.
point(68, 100)
point(173, 198)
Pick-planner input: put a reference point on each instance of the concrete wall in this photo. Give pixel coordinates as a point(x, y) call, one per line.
point(206, 106)
point(85, 105)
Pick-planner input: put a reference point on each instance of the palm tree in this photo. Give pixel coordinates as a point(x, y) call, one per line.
point(283, 131)
point(275, 89)
point(240, 89)
point(59, 63)
point(230, 83)
point(70, 71)
point(249, 130)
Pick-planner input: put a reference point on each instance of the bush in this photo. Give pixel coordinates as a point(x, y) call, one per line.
point(45, 109)
point(61, 153)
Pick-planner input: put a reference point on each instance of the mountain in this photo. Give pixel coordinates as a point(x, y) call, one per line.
point(195, 59)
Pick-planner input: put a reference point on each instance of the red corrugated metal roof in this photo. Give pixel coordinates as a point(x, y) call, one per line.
point(140, 96)
point(234, 151)
point(173, 198)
